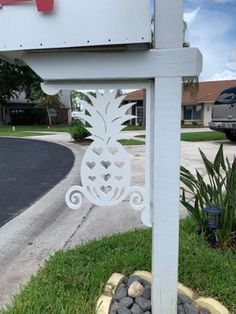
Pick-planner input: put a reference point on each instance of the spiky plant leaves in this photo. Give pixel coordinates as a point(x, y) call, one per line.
point(219, 160)
point(219, 191)
point(188, 183)
point(208, 164)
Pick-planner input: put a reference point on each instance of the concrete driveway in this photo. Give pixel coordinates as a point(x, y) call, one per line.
point(29, 169)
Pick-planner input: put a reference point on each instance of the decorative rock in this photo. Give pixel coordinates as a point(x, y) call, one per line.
point(147, 292)
point(145, 283)
point(182, 298)
point(204, 311)
point(123, 310)
point(120, 293)
point(180, 309)
point(135, 289)
point(126, 302)
point(136, 309)
point(144, 304)
point(125, 280)
point(113, 309)
point(190, 309)
point(132, 279)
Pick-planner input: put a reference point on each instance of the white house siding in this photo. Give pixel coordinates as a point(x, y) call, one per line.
point(207, 112)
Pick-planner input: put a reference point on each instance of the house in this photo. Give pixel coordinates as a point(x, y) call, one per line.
point(20, 110)
point(138, 109)
point(197, 108)
point(196, 105)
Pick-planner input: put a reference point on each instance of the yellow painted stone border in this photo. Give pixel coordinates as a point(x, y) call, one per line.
point(104, 302)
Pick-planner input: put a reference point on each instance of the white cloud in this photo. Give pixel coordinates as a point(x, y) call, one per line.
point(231, 64)
point(225, 75)
point(208, 31)
point(189, 17)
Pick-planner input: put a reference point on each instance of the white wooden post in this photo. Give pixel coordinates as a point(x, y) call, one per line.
point(167, 94)
point(161, 68)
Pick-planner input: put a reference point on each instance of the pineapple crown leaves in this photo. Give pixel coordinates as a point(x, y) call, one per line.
point(105, 115)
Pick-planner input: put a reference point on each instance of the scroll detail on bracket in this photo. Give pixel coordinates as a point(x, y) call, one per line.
point(105, 168)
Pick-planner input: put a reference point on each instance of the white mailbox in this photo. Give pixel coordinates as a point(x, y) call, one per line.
point(73, 24)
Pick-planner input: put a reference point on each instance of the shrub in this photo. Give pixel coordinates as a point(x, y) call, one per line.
point(79, 132)
point(219, 191)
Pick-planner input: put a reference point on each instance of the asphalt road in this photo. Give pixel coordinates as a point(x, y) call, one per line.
point(29, 169)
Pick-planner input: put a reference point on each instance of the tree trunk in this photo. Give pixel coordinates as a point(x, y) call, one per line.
point(1, 115)
point(48, 114)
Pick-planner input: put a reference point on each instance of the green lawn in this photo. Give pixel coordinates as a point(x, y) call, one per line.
point(71, 281)
point(131, 142)
point(31, 130)
point(202, 136)
point(199, 136)
point(133, 128)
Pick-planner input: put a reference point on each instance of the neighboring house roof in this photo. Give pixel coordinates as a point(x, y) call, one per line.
point(20, 99)
point(136, 95)
point(207, 92)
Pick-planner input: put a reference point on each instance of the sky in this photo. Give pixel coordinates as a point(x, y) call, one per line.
point(211, 26)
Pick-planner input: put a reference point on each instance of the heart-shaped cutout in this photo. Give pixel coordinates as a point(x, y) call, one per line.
point(92, 178)
point(118, 178)
point(106, 189)
point(105, 164)
point(91, 164)
point(106, 176)
point(119, 164)
point(97, 150)
point(113, 150)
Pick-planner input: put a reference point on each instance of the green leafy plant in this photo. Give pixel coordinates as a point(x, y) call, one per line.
point(79, 132)
point(218, 189)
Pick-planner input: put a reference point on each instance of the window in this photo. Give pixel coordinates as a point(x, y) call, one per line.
point(193, 112)
point(139, 115)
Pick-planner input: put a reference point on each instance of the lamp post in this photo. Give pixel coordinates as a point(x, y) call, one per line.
point(213, 220)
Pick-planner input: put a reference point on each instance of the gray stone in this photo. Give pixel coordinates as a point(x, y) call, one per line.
point(143, 303)
point(145, 283)
point(180, 309)
point(125, 280)
point(127, 302)
point(136, 309)
point(147, 292)
point(113, 309)
point(132, 279)
point(120, 293)
point(123, 310)
point(147, 312)
point(204, 311)
point(190, 309)
point(182, 298)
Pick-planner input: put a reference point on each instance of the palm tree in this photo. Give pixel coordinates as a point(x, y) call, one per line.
point(47, 101)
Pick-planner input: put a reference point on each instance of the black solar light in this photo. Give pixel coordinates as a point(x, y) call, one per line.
point(213, 217)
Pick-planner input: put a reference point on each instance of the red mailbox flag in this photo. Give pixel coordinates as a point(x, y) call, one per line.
point(42, 5)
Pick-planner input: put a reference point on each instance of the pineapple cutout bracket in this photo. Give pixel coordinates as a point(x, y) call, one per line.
point(105, 168)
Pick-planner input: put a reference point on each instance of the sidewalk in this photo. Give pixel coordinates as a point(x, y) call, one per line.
point(29, 239)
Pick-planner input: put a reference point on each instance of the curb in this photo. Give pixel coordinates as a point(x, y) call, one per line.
point(105, 300)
